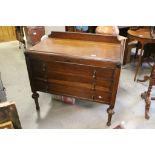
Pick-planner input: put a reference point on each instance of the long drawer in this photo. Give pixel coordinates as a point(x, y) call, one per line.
point(102, 77)
point(40, 67)
point(78, 90)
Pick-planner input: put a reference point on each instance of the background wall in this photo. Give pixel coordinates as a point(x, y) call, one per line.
point(48, 29)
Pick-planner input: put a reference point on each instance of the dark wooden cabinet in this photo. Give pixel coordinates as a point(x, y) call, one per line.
point(85, 66)
point(34, 33)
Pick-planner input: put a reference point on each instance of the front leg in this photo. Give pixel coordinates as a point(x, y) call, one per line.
point(110, 113)
point(147, 104)
point(35, 96)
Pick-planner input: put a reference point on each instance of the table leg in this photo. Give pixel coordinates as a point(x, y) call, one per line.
point(146, 96)
point(139, 62)
point(110, 112)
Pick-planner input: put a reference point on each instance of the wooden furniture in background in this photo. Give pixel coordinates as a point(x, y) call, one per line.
point(8, 113)
point(7, 33)
point(34, 33)
point(143, 37)
point(79, 65)
point(146, 95)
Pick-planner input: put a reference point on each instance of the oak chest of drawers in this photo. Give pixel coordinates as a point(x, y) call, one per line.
point(85, 66)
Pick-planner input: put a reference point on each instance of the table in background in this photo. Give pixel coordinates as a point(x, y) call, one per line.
point(142, 36)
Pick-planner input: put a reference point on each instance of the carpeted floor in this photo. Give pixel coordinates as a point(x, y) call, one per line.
point(129, 106)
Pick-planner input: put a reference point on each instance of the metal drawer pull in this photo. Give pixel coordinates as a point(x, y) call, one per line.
point(94, 74)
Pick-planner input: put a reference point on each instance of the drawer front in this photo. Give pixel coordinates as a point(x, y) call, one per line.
point(70, 68)
point(102, 96)
point(104, 74)
point(69, 77)
point(77, 90)
point(68, 90)
point(79, 70)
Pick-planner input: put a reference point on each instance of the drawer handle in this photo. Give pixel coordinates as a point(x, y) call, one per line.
point(94, 74)
point(44, 67)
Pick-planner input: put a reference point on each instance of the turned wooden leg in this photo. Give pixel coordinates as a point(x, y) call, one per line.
point(148, 100)
point(146, 96)
point(35, 96)
point(147, 107)
point(110, 113)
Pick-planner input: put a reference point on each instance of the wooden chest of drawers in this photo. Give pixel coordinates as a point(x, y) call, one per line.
point(85, 66)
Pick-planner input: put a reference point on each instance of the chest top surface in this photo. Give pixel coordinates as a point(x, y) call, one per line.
point(86, 49)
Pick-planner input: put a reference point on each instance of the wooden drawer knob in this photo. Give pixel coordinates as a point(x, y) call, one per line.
point(94, 74)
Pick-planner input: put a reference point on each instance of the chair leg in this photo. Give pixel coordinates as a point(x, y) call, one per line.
point(139, 62)
point(135, 56)
point(19, 45)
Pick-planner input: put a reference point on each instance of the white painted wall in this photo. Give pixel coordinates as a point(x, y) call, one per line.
point(48, 29)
